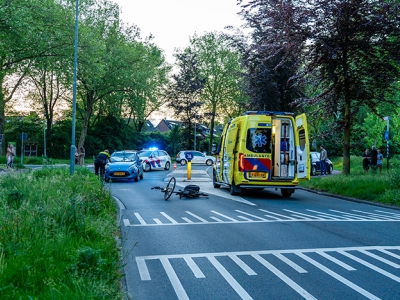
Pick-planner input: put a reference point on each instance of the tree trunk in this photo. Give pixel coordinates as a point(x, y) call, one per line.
point(86, 120)
point(346, 138)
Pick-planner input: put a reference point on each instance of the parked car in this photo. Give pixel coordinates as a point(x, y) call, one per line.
point(129, 167)
point(123, 155)
point(198, 158)
point(316, 164)
point(155, 159)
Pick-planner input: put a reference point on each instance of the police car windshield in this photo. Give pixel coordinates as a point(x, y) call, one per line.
point(145, 153)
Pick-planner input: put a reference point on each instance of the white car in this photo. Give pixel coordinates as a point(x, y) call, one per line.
point(198, 158)
point(155, 160)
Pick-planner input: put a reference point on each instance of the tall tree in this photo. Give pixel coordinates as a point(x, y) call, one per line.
point(348, 51)
point(183, 93)
point(28, 29)
point(219, 64)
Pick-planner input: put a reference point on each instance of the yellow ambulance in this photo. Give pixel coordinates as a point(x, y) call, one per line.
point(263, 149)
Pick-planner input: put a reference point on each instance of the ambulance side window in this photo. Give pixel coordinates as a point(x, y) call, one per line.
point(302, 138)
point(259, 140)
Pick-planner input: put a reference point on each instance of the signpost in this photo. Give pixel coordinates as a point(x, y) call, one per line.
point(387, 140)
point(189, 157)
point(23, 137)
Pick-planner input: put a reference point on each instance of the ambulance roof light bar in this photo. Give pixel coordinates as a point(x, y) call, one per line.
point(267, 113)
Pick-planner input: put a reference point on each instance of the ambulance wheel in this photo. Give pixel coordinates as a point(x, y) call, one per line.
point(215, 184)
point(234, 189)
point(287, 192)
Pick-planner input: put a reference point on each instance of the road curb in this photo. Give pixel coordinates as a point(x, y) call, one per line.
point(350, 198)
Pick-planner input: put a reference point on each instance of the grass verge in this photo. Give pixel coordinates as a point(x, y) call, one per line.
point(372, 186)
point(57, 236)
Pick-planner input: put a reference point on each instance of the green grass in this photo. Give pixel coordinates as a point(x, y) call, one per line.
point(372, 186)
point(57, 236)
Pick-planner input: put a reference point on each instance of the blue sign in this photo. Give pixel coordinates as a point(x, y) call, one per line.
point(23, 136)
point(189, 156)
point(386, 135)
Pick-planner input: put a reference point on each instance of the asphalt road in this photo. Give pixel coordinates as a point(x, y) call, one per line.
point(254, 246)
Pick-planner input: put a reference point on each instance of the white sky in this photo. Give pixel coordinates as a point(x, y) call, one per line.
point(172, 22)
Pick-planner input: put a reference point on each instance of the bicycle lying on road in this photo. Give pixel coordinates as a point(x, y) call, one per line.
point(190, 191)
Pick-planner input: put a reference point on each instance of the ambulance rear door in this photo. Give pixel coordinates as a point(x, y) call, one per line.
point(302, 148)
point(229, 152)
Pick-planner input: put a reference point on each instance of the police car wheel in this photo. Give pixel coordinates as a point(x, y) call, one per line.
point(167, 165)
point(183, 162)
point(209, 162)
point(147, 167)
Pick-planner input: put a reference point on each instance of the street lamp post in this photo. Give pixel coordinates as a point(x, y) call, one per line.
point(73, 147)
point(194, 131)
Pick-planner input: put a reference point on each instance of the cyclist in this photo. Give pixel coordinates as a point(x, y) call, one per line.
point(101, 161)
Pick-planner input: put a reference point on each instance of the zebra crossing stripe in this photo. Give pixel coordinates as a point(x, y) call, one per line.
point(173, 278)
point(229, 278)
point(384, 260)
point(338, 277)
point(284, 278)
point(371, 266)
point(336, 261)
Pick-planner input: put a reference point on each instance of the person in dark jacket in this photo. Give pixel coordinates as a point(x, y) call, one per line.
point(100, 163)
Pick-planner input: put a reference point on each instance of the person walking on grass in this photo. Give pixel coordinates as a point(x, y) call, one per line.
point(379, 160)
point(322, 160)
point(365, 160)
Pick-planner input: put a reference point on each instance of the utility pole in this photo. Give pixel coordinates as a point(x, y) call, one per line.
point(387, 140)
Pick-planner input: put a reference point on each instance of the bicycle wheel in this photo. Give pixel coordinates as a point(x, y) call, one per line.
point(169, 189)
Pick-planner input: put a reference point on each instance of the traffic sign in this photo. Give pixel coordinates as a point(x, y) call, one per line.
point(386, 135)
point(189, 156)
point(23, 136)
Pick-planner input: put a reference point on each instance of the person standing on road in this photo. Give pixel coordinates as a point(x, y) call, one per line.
point(379, 160)
point(374, 158)
point(101, 161)
point(365, 160)
point(322, 160)
point(10, 156)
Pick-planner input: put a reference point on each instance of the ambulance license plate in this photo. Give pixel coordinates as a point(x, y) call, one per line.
point(257, 175)
point(119, 173)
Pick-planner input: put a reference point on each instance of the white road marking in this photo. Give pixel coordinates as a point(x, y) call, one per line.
point(169, 218)
point(242, 264)
point(197, 217)
point(229, 278)
point(290, 263)
point(225, 216)
point(272, 213)
point(251, 215)
point(371, 266)
point(140, 219)
point(212, 257)
point(194, 267)
point(338, 277)
point(284, 278)
point(388, 262)
point(294, 216)
point(336, 261)
point(173, 278)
